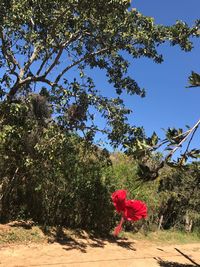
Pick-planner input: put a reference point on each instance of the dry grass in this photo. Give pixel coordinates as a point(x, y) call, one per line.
point(166, 237)
point(19, 235)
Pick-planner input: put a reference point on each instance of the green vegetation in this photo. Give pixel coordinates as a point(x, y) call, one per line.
point(51, 169)
point(21, 235)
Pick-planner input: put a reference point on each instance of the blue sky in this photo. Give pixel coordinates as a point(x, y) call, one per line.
point(168, 102)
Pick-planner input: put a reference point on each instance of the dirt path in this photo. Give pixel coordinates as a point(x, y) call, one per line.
point(97, 252)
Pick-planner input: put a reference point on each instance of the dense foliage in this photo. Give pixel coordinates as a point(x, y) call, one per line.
point(48, 175)
point(180, 190)
point(50, 169)
point(52, 46)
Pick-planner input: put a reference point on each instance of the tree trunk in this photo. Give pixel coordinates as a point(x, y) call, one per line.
point(160, 222)
point(188, 223)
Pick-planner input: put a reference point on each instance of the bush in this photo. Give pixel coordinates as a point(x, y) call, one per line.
point(49, 175)
point(123, 175)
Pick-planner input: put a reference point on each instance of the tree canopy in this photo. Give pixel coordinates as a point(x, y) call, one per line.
point(41, 43)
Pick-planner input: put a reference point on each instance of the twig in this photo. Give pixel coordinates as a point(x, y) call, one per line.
point(194, 128)
point(76, 36)
point(87, 56)
point(190, 140)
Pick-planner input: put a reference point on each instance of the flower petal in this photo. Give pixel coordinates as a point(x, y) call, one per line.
point(119, 198)
point(135, 210)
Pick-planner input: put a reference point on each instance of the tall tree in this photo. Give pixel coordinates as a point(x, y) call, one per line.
point(42, 42)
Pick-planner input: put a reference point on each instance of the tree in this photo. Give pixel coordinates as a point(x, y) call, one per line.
point(41, 43)
point(180, 190)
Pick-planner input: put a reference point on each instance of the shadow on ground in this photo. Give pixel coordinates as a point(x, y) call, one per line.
point(163, 263)
point(173, 264)
point(80, 240)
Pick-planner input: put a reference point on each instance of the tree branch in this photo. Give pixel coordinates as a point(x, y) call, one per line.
point(75, 37)
point(87, 56)
point(194, 128)
point(20, 81)
point(165, 141)
point(29, 62)
point(187, 148)
point(55, 62)
point(8, 54)
point(48, 56)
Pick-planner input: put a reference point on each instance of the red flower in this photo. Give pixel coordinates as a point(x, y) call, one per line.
point(132, 210)
point(119, 198)
point(135, 210)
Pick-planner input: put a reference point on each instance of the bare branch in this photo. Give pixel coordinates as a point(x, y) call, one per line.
point(28, 80)
point(42, 78)
point(75, 37)
point(16, 86)
point(187, 148)
point(194, 128)
point(55, 62)
point(29, 62)
point(48, 56)
point(45, 80)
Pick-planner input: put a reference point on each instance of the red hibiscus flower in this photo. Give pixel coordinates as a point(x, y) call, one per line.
point(135, 210)
point(119, 198)
point(132, 210)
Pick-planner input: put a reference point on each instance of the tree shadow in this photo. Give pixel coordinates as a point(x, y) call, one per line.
point(21, 223)
point(121, 242)
point(59, 235)
point(187, 257)
point(163, 263)
point(80, 240)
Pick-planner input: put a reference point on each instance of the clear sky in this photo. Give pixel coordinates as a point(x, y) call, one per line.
point(168, 102)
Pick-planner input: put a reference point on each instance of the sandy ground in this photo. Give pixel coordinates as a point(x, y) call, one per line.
point(99, 252)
